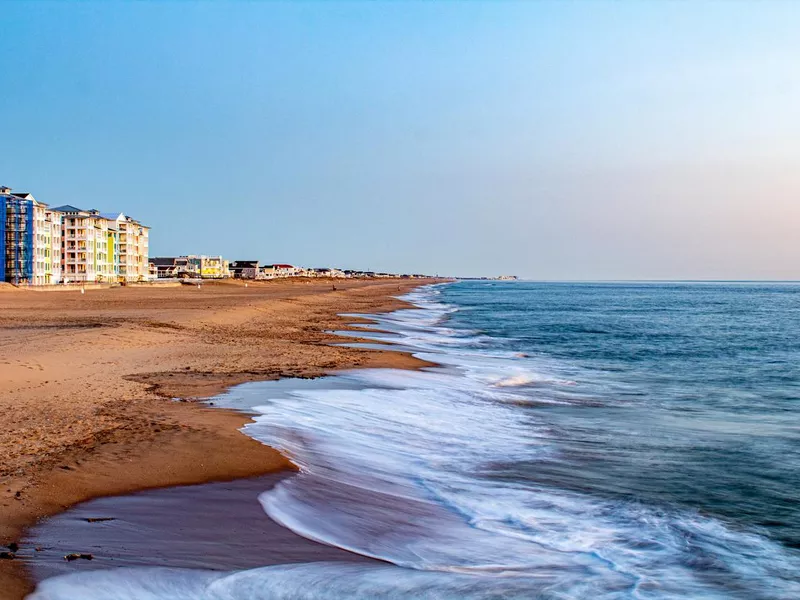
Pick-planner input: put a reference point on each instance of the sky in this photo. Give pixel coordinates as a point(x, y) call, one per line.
point(551, 140)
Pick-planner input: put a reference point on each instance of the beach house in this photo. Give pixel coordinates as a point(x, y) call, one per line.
point(279, 270)
point(244, 269)
point(208, 267)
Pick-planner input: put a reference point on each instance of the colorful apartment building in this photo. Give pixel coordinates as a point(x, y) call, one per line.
point(134, 249)
point(53, 222)
point(30, 246)
point(85, 247)
point(16, 237)
point(40, 245)
point(103, 247)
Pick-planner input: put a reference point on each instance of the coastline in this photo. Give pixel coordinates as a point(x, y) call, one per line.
point(101, 421)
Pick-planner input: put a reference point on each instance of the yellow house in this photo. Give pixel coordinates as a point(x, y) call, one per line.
point(208, 267)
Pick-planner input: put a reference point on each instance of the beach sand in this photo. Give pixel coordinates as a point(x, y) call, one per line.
point(214, 526)
point(88, 382)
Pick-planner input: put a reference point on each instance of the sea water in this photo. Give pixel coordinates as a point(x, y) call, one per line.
point(600, 441)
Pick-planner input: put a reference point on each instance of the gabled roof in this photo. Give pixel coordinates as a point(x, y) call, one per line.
point(163, 261)
point(68, 208)
point(112, 216)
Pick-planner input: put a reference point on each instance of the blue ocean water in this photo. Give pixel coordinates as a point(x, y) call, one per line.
point(577, 440)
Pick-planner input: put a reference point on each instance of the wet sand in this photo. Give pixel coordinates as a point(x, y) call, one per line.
point(215, 526)
point(88, 381)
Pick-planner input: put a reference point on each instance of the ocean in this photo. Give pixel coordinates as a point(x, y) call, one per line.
point(577, 440)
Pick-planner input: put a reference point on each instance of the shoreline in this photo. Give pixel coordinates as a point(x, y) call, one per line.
point(223, 528)
point(158, 442)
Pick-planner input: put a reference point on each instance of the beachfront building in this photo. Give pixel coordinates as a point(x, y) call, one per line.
point(165, 267)
point(134, 249)
point(129, 247)
point(102, 247)
point(208, 267)
point(53, 223)
point(40, 245)
point(84, 245)
point(16, 237)
point(172, 267)
point(112, 270)
point(244, 269)
point(29, 252)
point(40, 268)
point(279, 270)
point(325, 272)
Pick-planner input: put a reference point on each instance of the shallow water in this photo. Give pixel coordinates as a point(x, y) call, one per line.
point(613, 441)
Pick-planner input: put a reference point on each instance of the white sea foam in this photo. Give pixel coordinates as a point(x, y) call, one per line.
point(286, 582)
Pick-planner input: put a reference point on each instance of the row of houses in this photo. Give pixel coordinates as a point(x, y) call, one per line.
point(215, 267)
point(43, 245)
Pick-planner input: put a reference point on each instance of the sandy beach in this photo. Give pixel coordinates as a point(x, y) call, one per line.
point(90, 384)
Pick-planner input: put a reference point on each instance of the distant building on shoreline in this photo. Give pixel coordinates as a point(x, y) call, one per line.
point(215, 267)
point(244, 269)
point(103, 247)
point(29, 241)
point(190, 266)
point(40, 245)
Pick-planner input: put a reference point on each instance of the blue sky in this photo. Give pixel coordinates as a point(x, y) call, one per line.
point(569, 140)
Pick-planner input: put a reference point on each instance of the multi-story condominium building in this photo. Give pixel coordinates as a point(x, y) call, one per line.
point(52, 224)
point(103, 247)
point(41, 245)
point(112, 244)
point(40, 241)
point(134, 249)
point(16, 237)
point(84, 251)
point(30, 250)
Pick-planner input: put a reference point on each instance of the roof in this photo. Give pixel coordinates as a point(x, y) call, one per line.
point(111, 216)
point(68, 208)
point(244, 264)
point(163, 261)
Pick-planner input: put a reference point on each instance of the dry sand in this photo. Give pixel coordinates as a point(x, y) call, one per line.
point(87, 382)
